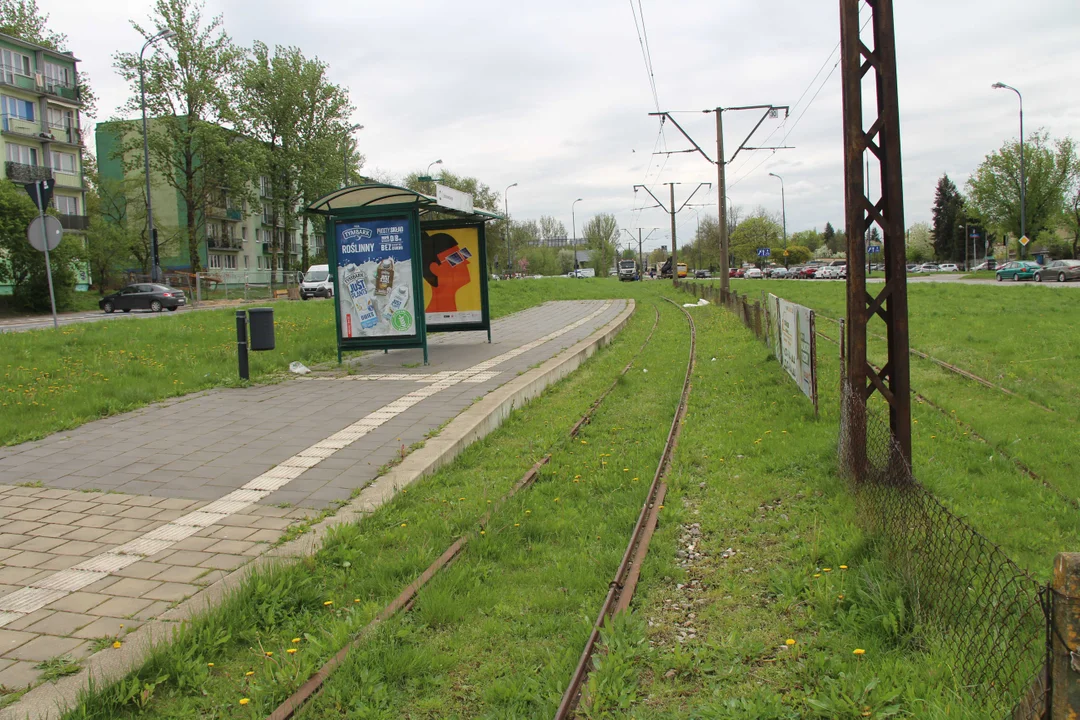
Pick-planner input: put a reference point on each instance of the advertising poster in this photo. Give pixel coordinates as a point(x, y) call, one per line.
point(806, 361)
point(375, 278)
point(452, 271)
point(789, 338)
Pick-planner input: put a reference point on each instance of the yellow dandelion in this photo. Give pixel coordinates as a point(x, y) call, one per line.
point(291, 651)
point(269, 654)
point(789, 642)
point(245, 701)
point(843, 567)
point(517, 524)
point(528, 512)
point(826, 569)
point(116, 644)
point(817, 575)
point(355, 600)
point(461, 499)
point(660, 508)
point(403, 524)
point(556, 499)
point(296, 640)
point(328, 603)
point(858, 651)
point(483, 533)
point(584, 442)
point(249, 673)
point(839, 597)
point(209, 664)
point(626, 469)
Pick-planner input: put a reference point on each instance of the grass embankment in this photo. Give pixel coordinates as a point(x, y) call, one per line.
point(81, 302)
point(54, 380)
point(1028, 351)
point(359, 569)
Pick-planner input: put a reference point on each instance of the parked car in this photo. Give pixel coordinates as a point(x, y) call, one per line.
point(779, 273)
point(154, 298)
point(1018, 270)
point(736, 272)
point(808, 272)
point(986, 265)
point(949, 268)
point(829, 272)
point(929, 268)
point(317, 282)
point(1060, 270)
point(913, 269)
point(702, 274)
point(754, 274)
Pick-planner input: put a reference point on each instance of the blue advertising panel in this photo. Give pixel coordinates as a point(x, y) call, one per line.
point(376, 278)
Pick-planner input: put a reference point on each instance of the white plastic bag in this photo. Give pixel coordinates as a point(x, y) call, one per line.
point(298, 367)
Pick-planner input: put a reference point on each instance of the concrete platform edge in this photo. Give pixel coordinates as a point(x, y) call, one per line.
point(49, 701)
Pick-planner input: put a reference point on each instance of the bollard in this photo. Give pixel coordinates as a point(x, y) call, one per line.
point(1065, 637)
point(241, 343)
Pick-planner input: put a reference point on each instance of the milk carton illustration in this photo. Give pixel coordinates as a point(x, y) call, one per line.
point(368, 317)
point(356, 284)
point(384, 276)
point(399, 298)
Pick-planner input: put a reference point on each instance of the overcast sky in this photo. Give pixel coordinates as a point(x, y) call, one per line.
point(555, 96)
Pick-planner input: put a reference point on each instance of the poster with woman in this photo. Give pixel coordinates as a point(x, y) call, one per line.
point(453, 275)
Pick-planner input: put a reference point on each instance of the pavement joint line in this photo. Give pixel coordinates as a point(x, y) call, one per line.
point(30, 599)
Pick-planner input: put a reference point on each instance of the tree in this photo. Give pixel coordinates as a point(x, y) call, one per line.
point(948, 219)
point(551, 228)
point(1051, 169)
point(828, 237)
point(1072, 219)
point(658, 256)
point(760, 230)
point(810, 239)
point(798, 254)
point(600, 233)
point(25, 266)
point(920, 243)
point(187, 90)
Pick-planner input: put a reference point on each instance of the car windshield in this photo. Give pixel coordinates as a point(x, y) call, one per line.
point(316, 276)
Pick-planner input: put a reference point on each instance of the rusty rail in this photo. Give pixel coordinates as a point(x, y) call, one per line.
point(621, 588)
point(405, 599)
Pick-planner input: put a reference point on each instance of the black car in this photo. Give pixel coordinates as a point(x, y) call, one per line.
point(150, 297)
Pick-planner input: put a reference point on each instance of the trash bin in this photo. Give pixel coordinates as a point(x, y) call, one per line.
point(262, 328)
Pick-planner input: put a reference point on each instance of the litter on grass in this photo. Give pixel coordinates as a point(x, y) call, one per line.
point(298, 367)
point(699, 303)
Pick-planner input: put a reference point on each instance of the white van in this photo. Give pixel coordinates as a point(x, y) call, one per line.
point(317, 283)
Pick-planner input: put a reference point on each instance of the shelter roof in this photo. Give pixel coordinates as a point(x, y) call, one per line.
point(376, 195)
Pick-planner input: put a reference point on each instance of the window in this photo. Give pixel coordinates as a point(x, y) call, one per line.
point(246, 263)
point(264, 186)
point(222, 262)
point(17, 108)
point(66, 205)
point(230, 262)
point(14, 63)
point(215, 261)
point(243, 233)
point(59, 118)
point(63, 162)
point(259, 236)
point(22, 154)
point(57, 74)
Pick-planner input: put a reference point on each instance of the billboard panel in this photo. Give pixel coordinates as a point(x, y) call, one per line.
point(452, 275)
point(376, 293)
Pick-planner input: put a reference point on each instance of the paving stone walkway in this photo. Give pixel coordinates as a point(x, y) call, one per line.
point(106, 526)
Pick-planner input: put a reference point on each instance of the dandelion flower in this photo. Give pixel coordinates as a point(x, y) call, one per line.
point(116, 644)
point(209, 664)
point(817, 575)
point(517, 524)
point(291, 651)
point(843, 567)
point(269, 653)
point(403, 524)
point(355, 600)
point(528, 512)
point(839, 597)
point(556, 499)
point(483, 533)
point(461, 499)
point(328, 603)
point(858, 651)
point(789, 642)
point(249, 673)
point(296, 640)
point(245, 701)
point(826, 569)
point(660, 508)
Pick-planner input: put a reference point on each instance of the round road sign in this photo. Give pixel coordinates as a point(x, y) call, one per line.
point(53, 232)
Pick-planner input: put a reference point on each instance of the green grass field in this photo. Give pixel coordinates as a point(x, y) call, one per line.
point(497, 634)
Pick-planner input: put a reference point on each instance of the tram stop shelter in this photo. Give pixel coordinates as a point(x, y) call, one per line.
point(404, 264)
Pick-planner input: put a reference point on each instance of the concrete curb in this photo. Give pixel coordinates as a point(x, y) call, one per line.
point(50, 700)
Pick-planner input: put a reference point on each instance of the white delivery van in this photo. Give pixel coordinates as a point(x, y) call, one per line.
point(317, 283)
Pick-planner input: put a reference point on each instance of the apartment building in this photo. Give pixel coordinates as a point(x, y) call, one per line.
point(234, 234)
point(40, 130)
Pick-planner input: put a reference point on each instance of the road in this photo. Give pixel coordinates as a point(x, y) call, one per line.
point(43, 322)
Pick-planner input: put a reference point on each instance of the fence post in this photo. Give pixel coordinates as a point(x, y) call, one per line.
point(198, 289)
point(757, 319)
point(1065, 637)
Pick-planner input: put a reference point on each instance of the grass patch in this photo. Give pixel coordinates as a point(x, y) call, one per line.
point(57, 667)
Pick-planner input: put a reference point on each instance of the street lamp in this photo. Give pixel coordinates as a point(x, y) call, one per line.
point(783, 204)
point(348, 131)
point(1023, 179)
point(155, 267)
point(506, 206)
point(573, 227)
point(428, 171)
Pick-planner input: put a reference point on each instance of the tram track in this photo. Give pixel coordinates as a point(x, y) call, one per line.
point(405, 599)
point(621, 589)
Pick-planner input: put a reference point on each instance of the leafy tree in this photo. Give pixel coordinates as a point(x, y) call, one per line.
point(1072, 219)
point(483, 196)
point(600, 233)
point(810, 239)
point(658, 256)
point(920, 243)
point(948, 218)
point(566, 261)
point(760, 230)
point(551, 228)
point(797, 254)
point(828, 237)
point(628, 253)
point(1051, 169)
point(187, 89)
point(25, 266)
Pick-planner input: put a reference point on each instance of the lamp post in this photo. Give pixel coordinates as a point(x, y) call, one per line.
point(783, 205)
point(428, 171)
point(573, 229)
point(155, 263)
point(1023, 179)
point(348, 131)
point(506, 206)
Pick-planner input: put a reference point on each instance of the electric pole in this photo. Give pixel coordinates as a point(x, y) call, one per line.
point(672, 211)
point(771, 111)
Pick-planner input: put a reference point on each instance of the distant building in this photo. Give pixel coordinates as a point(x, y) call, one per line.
point(555, 242)
point(40, 128)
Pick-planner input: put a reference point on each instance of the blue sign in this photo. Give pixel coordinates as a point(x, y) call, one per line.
point(874, 249)
point(375, 278)
point(764, 252)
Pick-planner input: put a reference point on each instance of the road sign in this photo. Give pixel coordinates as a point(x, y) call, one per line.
point(873, 249)
point(1024, 241)
point(764, 252)
point(40, 192)
point(53, 232)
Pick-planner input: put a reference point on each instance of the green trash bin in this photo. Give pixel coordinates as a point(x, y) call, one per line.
point(261, 321)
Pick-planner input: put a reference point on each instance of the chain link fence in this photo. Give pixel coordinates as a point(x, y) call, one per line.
point(993, 617)
point(229, 285)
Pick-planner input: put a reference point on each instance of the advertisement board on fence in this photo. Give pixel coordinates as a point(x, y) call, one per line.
point(376, 294)
point(795, 344)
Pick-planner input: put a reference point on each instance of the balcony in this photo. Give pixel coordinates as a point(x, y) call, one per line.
point(232, 214)
point(20, 173)
point(15, 124)
point(74, 222)
point(269, 220)
point(68, 180)
point(66, 135)
point(15, 79)
point(66, 91)
point(224, 243)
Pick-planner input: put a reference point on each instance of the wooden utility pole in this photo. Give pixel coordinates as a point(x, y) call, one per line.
point(670, 209)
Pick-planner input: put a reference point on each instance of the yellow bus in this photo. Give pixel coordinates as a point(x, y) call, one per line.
point(682, 269)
